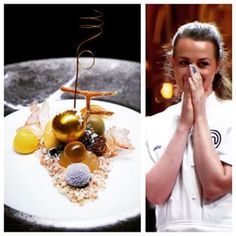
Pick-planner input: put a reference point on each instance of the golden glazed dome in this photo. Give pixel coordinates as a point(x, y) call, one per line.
point(68, 126)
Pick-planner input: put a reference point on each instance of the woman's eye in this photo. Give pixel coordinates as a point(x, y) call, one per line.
point(184, 63)
point(203, 64)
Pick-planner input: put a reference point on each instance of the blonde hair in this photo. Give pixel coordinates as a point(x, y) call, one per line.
point(204, 32)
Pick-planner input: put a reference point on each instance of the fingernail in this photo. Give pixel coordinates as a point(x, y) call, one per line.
point(194, 69)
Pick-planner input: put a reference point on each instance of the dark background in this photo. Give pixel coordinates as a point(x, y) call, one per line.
point(39, 31)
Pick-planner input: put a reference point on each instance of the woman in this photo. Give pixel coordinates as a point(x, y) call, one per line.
point(190, 143)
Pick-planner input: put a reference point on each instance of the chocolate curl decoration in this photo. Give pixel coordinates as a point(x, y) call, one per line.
point(96, 23)
point(89, 94)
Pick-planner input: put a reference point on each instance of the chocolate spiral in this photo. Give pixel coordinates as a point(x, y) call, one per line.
point(96, 23)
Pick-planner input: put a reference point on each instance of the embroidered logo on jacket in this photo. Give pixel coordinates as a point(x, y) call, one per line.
point(216, 137)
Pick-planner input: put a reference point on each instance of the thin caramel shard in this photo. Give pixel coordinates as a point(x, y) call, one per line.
point(90, 94)
point(102, 113)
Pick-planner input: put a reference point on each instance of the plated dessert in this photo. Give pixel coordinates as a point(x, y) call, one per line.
point(79, 183)
point(74, 146)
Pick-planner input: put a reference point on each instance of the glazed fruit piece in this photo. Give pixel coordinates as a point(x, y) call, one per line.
point(75, 152)
point(25, 141)
point(91, 161)
point(96, 123)
point(49, 138)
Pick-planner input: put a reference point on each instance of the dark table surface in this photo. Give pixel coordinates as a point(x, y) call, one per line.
point(37, 80)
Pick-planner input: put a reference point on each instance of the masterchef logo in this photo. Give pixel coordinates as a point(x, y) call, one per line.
point(216, 137)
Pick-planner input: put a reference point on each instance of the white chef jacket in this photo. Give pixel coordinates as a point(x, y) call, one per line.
point(186, 210)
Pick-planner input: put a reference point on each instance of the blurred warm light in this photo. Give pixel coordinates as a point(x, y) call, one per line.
point(148, 67)
point(167, 90)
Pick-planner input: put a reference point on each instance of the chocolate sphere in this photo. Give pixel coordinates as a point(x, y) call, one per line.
point(68, 126)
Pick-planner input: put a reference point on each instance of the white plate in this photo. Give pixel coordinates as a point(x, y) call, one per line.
point(29, 188)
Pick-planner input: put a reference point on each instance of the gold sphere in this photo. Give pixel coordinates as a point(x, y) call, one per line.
point(68, 126)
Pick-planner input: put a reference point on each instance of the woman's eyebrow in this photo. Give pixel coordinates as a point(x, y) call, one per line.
point(205, 58)
point(200, 59)
point(184, 58)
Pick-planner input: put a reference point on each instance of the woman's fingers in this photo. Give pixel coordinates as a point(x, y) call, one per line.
point(191, 84)
point(194, 73)
point(196, 78)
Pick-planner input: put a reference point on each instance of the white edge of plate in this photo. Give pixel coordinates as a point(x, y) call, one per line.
point(75, 224)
